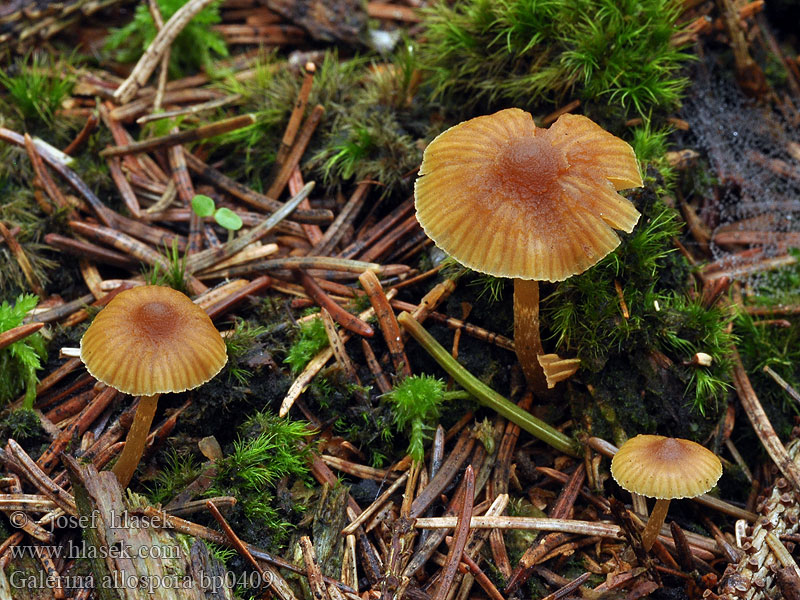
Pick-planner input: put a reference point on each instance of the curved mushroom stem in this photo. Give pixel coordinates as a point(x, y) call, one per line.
point(127, 462)
point(654, 523)
point(527, 341)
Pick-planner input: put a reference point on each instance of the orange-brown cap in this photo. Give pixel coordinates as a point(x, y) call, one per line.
point(662, 467)
point(152, 340)
point(504, 197)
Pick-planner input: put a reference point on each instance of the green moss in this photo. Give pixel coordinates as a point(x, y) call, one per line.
point(779, 349)
point(178, 471)
point(311, 339)
point(238, 344)
point(585, 317)
point(416, 403)
point(524, 52)
point(24, 426)
point(173, 275)
point(20, 361)
point(192, 49)
point(35, 89)
point(369, 129)
point(271, 449)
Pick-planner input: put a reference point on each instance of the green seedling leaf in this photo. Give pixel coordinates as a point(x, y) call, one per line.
point(203, 206)
point(228, 219)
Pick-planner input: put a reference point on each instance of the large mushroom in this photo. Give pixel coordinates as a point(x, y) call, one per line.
point(664, 468)
point(148, 341)
point(506, 198)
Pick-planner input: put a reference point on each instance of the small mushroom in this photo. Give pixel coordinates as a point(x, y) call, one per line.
point(664, 468)
point(504, 197)
point(148, 341)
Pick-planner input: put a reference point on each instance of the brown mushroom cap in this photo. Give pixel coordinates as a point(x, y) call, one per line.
point(151, 340)
point(661, 467)
point(507, 198)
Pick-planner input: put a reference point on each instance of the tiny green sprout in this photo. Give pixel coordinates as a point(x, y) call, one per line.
point(228, 219)
point(203, 206)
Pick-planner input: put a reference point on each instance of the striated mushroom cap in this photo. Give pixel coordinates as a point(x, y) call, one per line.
point(504, 197)
point(152, 340)
point(662, 467)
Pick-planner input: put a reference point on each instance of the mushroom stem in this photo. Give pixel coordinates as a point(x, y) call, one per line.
point(654, 523)
point(486, 395)
point(527, 341)
point(127, 462)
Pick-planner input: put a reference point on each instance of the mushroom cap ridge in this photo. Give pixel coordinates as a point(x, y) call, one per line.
point(666, 468)
point(507, 198)
point(151, 340)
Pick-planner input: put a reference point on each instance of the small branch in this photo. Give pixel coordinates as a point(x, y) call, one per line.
point(152, 56)
point(761, 424)
point(460, 538)
point(182, 137)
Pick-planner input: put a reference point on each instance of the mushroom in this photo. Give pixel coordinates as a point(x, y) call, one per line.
point(664, 468)
point(506, 198)
point(148, 341)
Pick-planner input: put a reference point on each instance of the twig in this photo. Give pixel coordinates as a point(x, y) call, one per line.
point(297, 114)
point(22, 261)
point(236, 297)
point(344, 318)
point(16, 334)
point(346, 216)
point(49, 458)
point(83, 135)
point(318, 589)
point(761, 424)
point(781, 382)
point(43, 176)
point(568, 588)
point(102, 212)
point(182, 137)
point(124, 187)
point(189, 110)
point(387, 322)
point(310, 371)
point(86, 249)
point(39, 478)
point(241, 548)
point(206, 258)
point(460, 538)
point(296, 153)
point(339, 351)
point(151, 57)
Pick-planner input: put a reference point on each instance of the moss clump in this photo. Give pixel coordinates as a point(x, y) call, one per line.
point(178, 471)
point(416, 404)
point(271, 451)
point(311, 339)
point(20, 361)
point(665, 326)
point(524, 52)
point(34, 89)
point(23, 425)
